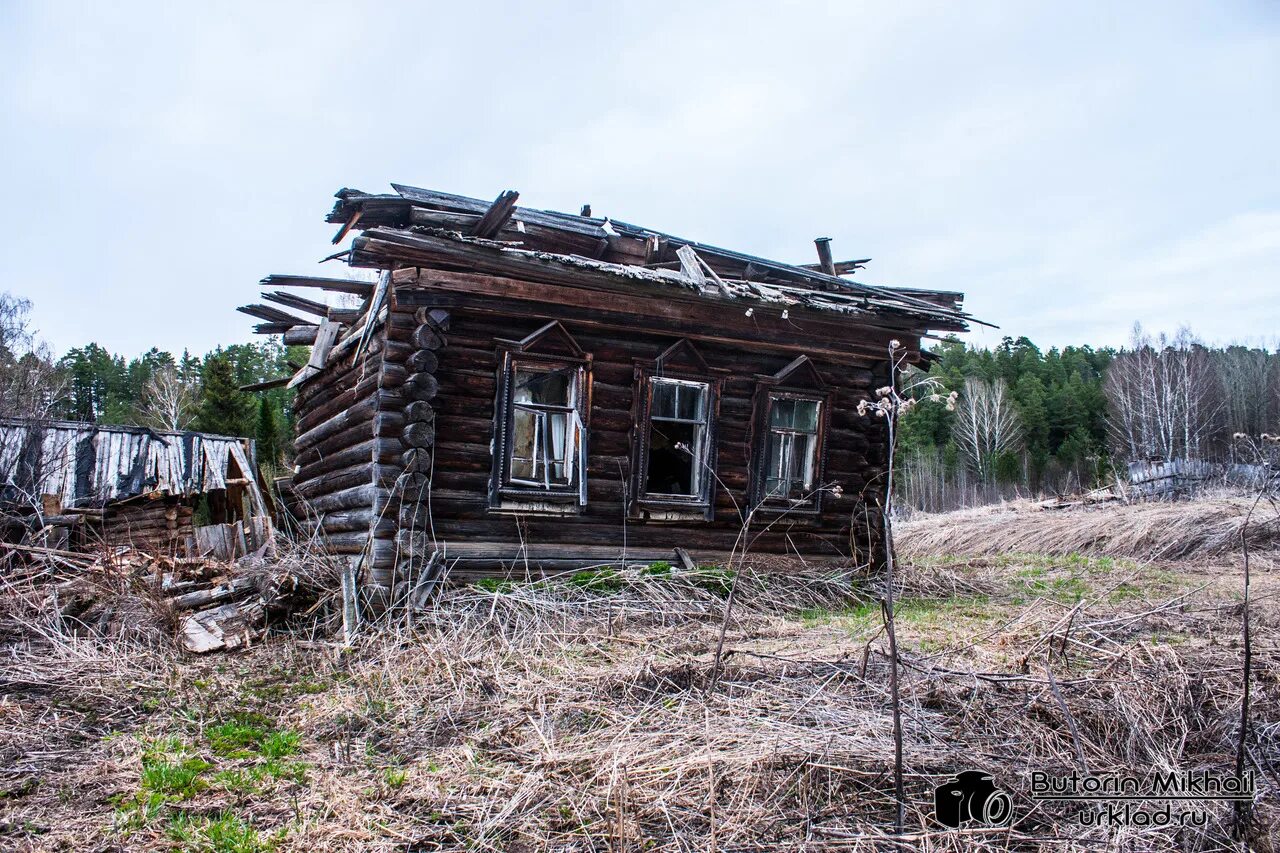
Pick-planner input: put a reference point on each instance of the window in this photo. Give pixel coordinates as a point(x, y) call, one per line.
point(677, 438)
point(674, 449)
point(539, 446)
point(792, 409)
point(544, 427)
point(791, 461)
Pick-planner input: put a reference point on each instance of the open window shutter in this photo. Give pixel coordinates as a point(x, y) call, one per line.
point(580, 436)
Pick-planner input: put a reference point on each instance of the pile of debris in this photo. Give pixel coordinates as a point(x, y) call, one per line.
point(207, 604)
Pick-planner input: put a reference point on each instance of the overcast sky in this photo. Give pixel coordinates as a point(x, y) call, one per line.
point(1073, 167)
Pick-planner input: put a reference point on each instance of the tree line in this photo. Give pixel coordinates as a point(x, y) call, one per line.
point(155, 389)
point(1033, 422)
point(1024, 421)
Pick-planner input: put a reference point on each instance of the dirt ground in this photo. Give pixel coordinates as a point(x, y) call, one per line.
point(580, 715)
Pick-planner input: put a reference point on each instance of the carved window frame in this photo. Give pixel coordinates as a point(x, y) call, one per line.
point(549, 348)
point(798, 381)
point(681, 362)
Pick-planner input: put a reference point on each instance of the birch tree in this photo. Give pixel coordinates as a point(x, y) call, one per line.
point(986, 424)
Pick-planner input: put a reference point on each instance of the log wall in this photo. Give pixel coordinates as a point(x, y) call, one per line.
point(451, 508)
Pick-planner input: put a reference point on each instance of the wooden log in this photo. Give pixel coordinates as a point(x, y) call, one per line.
point(421, 386)
point(427, 336)
point(420, 411)
point(301, 336)
point(417, 460)
point(423, 361)
point(361, 411)
point(493, 219)
point(413, 483)
point(354, 498)
point(438, 317)
point(235, 588)
point(420, 434)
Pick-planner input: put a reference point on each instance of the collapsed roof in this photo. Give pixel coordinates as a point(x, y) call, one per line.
point(85, 464)
point(427, 228)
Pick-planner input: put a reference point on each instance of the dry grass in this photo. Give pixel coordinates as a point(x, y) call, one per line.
point(574, 716)
point(1141, 531)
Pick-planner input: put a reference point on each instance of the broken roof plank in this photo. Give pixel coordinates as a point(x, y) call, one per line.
point(497, 216)
point(339, 285)
point(300, 303)
point(267, 385)
point(271, 315)
point(841, 267)
point(579, 224)
point(564, 221)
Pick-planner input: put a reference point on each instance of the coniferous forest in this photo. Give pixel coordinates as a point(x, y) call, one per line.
point(1025, 421)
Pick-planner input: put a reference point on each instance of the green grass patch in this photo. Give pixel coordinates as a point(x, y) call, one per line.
point(597, 580)
point(658, 568)
point(226, 833)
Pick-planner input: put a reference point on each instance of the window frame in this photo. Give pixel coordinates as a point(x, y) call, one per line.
point(784, 386)
point(509, 492)
point(649, 504)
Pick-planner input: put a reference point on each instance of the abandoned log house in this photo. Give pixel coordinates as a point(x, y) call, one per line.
point(524, 391)
point(80, 486)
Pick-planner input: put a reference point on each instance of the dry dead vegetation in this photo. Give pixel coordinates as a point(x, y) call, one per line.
point(574, 715)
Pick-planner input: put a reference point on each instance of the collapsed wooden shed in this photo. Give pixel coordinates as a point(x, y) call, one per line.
point(524, 391)
point(68, 484)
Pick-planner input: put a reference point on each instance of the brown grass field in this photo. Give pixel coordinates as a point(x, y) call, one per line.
point(575, 715)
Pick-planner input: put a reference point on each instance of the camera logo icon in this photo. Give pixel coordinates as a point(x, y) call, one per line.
point(971, 796)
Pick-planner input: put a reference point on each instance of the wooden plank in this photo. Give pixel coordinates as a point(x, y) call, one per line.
point(825, 262)
point(297, 302)
point(498, 214)
point(325, 337)
point(278, 382)
point(338, 285)
point(271, 315)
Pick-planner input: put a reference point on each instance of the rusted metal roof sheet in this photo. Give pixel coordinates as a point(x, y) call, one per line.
point(86, 464)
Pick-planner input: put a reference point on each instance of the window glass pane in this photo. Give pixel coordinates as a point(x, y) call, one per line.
point(782, 413)
point(524, 439)
point(799, 464)
point(774, 484)
point(543, 387)
point(690, 402)
point(558, 448)
point(664, 399)
point(675, 458)
point(806, 415)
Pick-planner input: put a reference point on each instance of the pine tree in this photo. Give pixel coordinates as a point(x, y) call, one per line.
point(224, 408)
point(268, 434)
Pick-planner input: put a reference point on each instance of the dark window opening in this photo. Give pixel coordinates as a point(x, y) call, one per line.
point(678, 446)
point(791, 462)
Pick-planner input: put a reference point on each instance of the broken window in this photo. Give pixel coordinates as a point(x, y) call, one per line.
point(545, 426)
point(791, 460)
point(539, 450)
point(677, 445)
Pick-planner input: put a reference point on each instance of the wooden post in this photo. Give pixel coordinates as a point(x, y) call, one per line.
point(824, 255)
point(350, 602)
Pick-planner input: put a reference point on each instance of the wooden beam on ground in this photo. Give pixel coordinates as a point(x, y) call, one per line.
point(498, 214)
point(338, 285)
